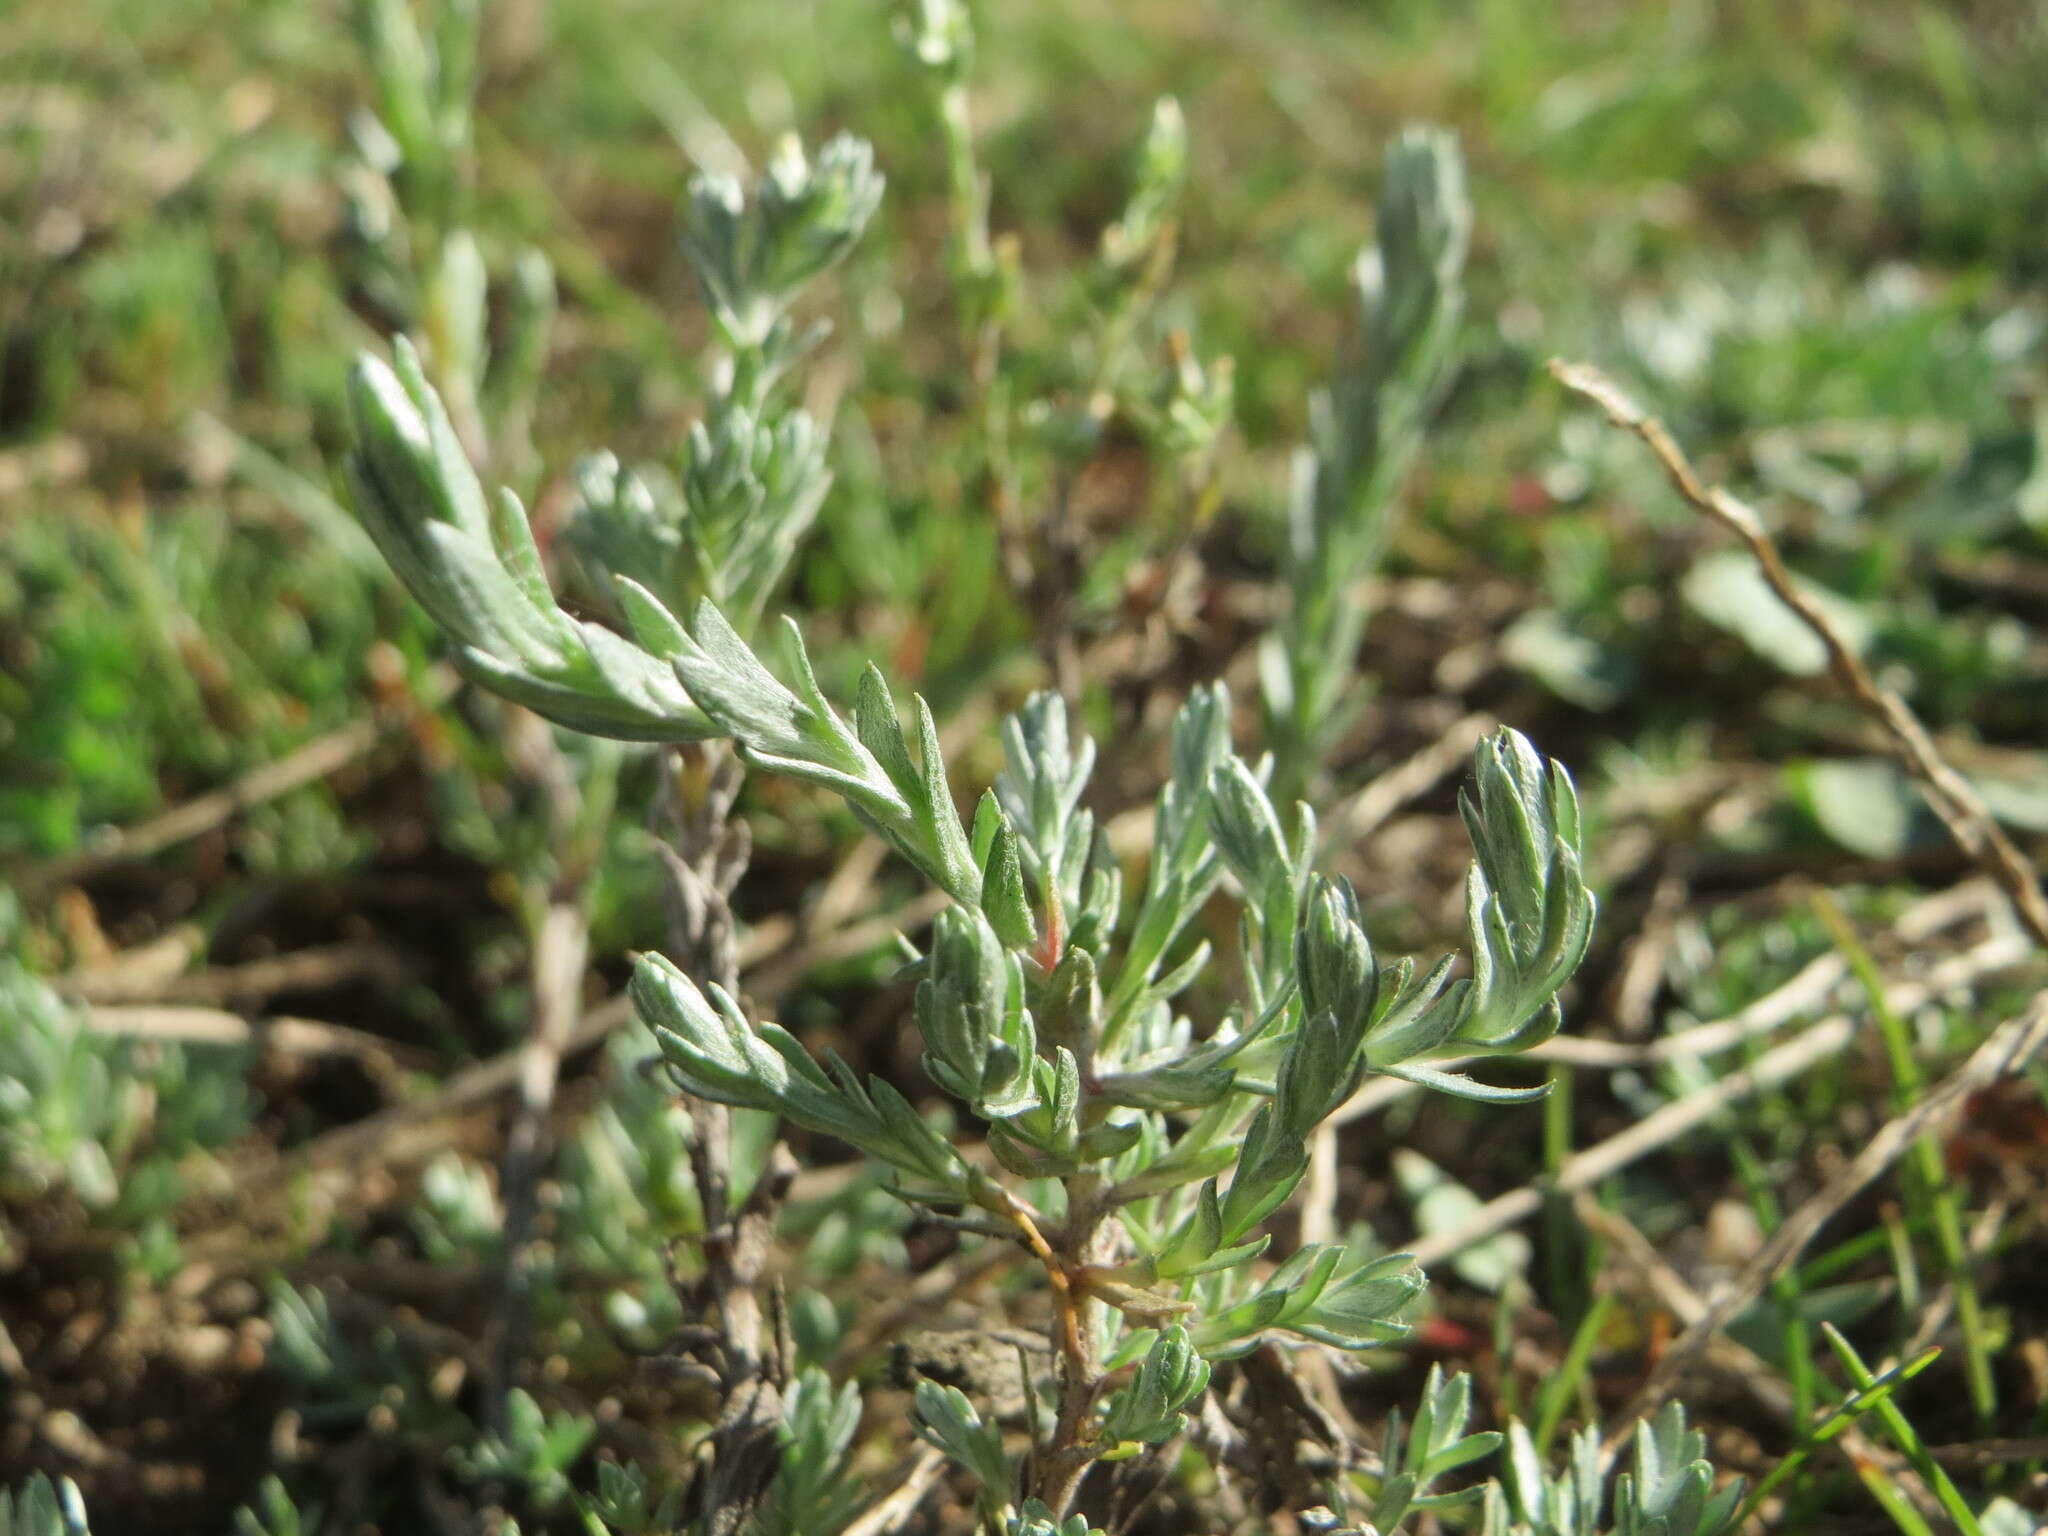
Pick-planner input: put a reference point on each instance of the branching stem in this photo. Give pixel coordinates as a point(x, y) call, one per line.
point(1058, 1475)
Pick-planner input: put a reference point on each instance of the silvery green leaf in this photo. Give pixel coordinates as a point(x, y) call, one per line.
point(1531, 915)
point(1037, 1520)
point(624, 1506)
point(402, 68)
point(943, 1417)
point(1184, 864)
point(1184, 867)
point(43, 1508)
point(1459, 1086)
point(812, 211)
point(716, 1054)
point(1865, 804)
point(1200, 407)
point(708, 1041)
point(1569, 1503)
point(1246, 826)
point(1002, 893)
point(381, 158)
point(1168, 1087)
point(1333, 958)
point(927, 831)
point(1045, 772)
point(1046, 1140)
point(1529, 920)
point(1435, 1444)
point(1364, 433)
point(626, 524)
point(1570, 663)
point(1360, 1305)
point(1183, 1162)
point(456, 41)
point(801, 734)
point(652, 627)
point(1162, 163)
point(1182, 844)
point(275, 1514)
point(813, 1488)
point(1149, 1409)
point(1669, 1489)
point(1070, 1001)
point(979, 1038)
point(457, 311)
point(752, 484)
point(1270, 1163)
point(755, 255)
point(797, 732)
point(476, 573)
point(535, 1447)
point(1168, 908)
point(309, 1347)
point(1320, 1293)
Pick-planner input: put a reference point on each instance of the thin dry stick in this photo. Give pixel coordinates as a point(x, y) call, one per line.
point(280, 1032)
point(302, 970)
point(317, 759)
point(893, 1511)
point(1806, 989)
point(1665, 1125)
point(2008, 1050)
point(1318, 1197)
point(781, 971)
point(1658, 1129)
point(559, 952)
point(1648, 953)
point(1985, 1455)
point(748, 1361)
point(1744, 1366)
point(139, 973)
point(1951, 795)
point(1408, 780)
point(381, 1136)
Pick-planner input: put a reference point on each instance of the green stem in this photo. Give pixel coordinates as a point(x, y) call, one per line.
point(1928, 1189)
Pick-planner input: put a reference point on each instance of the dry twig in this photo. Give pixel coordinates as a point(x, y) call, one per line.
point(300, 970)
point(215, 1026)
point(1951, 796)
point(560, 950)
point(1408, 780)
point(1585, 1169)
point(1744, 1366)
point(893, 1511)
point(316, 760)
point(2008, 1050)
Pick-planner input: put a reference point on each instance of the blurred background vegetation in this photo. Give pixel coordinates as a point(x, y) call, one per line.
point(1808, 233)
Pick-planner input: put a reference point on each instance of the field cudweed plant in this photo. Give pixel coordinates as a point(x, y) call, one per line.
point(1132, 1153)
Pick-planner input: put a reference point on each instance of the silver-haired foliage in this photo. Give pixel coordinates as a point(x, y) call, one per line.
point(1140, 1104)
point(1364, 431)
